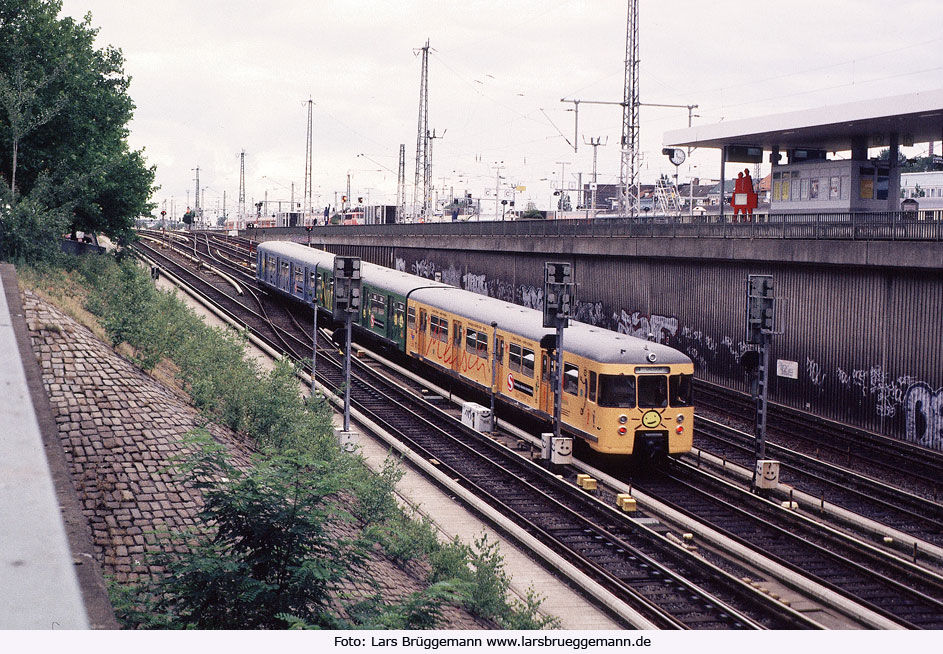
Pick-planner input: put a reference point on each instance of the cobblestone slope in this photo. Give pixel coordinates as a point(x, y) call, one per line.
point(120, 429)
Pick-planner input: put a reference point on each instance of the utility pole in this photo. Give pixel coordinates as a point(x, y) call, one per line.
point(427, 181)
point(576, 121)
point(422, 136)
point(498, 167)
point(401, 185)
point(595, 142)
point(562, 165)
point(241, 218)
point(196, 199)
point(309, 179)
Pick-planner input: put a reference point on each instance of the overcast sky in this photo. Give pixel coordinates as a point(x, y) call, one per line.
point(211, 78)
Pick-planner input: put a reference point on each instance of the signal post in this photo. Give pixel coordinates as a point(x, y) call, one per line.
point(761, 311)
point(558, 296)
point(347, 302)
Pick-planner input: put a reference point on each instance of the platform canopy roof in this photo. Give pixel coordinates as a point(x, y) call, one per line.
point(915, 117)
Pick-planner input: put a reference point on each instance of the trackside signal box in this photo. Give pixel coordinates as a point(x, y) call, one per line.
point(760, 307)
point(347, 286)
point(558, 292)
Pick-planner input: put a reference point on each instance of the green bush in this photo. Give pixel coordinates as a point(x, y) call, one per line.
point(31, 227)
point(271, 551)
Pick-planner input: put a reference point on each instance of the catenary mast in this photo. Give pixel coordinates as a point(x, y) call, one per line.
point(629, 169)
point(422, 139)
point(309, 179)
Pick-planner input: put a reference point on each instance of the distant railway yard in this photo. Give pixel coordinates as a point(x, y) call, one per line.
point(850, 536)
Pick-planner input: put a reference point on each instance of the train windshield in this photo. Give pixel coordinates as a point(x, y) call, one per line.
point(652, 391)
point(679, 389)
point(617, 391)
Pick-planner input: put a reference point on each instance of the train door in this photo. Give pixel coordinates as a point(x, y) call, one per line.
point(546, 382)
point(455, 352)
point(499, 368)
point(423, 319)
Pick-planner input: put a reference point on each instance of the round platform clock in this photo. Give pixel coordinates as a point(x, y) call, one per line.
point(677, 156)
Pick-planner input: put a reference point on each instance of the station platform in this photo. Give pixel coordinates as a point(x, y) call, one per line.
point(48, 576)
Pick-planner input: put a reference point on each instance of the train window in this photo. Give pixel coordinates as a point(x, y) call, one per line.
point(482, 350)
point(440, 328)
point(500, 350)
point(592, 386)
point(571, 379)
point(411, 318)
point(299, 274)
point(679, 390)
point(457, 336)
point(527, 362)
point(514, 357)
point(617, 391)
point(377, 311)
point(471, 341)
point(285, 267)
point(653, 391)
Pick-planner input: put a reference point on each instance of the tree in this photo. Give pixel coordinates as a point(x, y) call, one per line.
point(19, 97)
point(65, 114)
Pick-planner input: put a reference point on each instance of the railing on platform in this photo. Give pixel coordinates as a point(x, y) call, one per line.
point(924, 225)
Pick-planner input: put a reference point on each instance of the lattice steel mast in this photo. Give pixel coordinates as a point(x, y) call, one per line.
point(309, 179)
point(628, 171)
point(422, 137)
point(401, 185)
point(242, 189)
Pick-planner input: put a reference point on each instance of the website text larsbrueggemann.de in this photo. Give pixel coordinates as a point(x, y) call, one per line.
point(434, 643)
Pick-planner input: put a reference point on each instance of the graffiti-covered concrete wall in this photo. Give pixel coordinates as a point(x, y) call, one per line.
point(867, 343)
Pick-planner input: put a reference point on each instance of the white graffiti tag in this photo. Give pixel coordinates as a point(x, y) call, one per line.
point(641, 326)
point(532, 297)
point(475, 283)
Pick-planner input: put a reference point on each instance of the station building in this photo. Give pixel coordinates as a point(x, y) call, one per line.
point(820, 157)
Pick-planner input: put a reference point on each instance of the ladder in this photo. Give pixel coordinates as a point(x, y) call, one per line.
point(667, 199)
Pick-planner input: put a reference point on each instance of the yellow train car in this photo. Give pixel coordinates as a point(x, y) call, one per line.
point(621, 394)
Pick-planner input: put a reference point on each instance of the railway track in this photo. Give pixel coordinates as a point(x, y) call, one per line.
point(874, 500)
point(891, 460)
point(669, 586)
point(916, 606)
point(889, 586)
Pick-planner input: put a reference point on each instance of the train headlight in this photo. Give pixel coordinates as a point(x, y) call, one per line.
point(651, 357)
point(623, 419)
point(679, 429)
point(622, 431)
point(680, 418)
